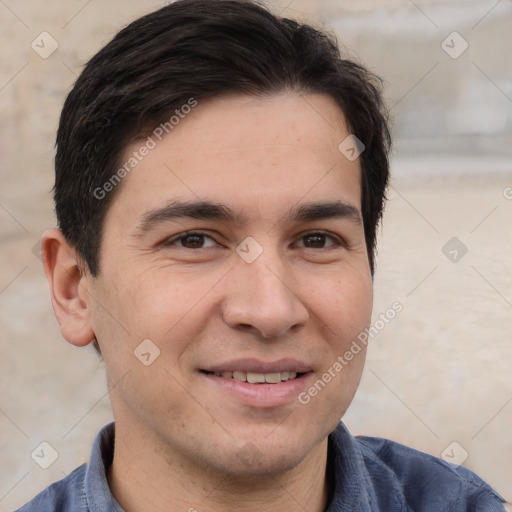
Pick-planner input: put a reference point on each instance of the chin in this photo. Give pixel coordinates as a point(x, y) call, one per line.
point(262, 456)
point(251, 463)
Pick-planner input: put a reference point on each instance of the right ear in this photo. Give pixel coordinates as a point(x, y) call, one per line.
point(71, 301)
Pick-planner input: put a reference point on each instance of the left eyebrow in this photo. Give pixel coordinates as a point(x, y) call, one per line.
point(204, 210)
point(319, 211)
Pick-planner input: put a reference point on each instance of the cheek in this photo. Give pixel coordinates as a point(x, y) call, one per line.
point(344, 306)
point(167, 307)
point(143, 303)
point(163, 302)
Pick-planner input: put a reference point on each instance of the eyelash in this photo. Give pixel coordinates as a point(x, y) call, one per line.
point(170, 241)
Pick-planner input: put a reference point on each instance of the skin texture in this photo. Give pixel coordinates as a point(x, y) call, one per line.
point(183, 442)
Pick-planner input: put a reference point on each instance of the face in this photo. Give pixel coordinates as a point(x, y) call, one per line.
point(236, 247)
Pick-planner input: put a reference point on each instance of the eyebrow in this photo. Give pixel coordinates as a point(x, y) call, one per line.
point(204, 210)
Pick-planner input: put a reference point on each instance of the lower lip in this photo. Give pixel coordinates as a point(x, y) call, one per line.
point(261, 395)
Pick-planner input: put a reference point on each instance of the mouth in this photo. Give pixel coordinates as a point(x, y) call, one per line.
point(257, 383)
point(257, 378)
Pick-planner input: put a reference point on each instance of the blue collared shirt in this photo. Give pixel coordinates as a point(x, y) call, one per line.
point(367, 474)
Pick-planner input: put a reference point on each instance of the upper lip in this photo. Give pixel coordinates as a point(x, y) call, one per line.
point(259, 366)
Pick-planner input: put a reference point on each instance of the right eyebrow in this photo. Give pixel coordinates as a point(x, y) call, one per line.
point(187, 209)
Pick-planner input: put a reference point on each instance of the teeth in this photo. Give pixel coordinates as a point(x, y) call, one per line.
point(258, 378)
point(242, 376)
point(272, 378)
point(255, 378)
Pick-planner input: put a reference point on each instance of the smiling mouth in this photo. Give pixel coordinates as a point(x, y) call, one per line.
point(257, 378)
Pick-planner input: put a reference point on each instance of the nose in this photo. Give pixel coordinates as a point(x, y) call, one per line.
point(263, 298)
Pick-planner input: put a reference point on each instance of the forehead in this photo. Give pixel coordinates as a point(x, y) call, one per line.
point(256, 154)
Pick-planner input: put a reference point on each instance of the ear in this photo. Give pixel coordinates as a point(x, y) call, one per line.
point(71, 301)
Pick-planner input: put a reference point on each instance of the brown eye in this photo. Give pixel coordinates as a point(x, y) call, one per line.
point(317, 240)
point(191, 241)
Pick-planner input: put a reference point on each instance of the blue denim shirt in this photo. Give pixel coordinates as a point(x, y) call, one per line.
point(366, 474)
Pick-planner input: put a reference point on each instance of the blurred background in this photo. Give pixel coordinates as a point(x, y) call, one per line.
point(439, 375)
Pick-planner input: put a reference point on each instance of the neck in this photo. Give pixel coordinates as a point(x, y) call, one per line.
point(147, 476)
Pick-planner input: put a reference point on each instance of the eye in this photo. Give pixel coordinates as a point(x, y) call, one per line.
point(318, 240)
point(191, 240)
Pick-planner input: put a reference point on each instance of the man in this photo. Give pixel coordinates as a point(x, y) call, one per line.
point(220, 175)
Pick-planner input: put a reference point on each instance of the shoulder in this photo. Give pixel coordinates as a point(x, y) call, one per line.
point(66, 494)
point(424, 478)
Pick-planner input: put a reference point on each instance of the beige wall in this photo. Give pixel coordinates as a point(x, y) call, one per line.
point(439, 372)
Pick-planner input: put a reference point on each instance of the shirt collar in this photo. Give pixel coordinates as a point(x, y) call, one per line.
point(358, 475)
point(97, 491)
point(350, 483)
